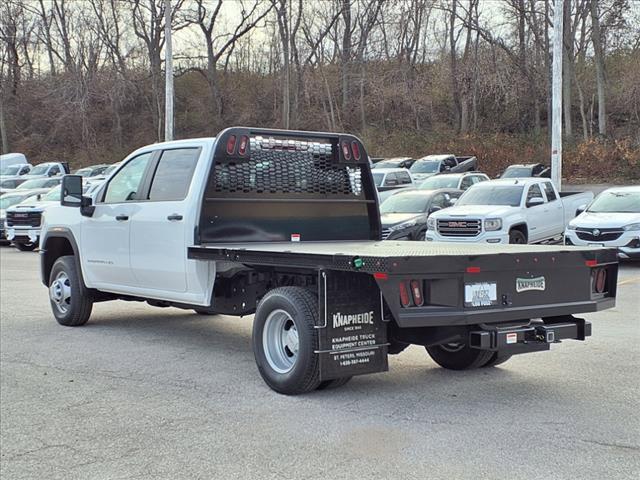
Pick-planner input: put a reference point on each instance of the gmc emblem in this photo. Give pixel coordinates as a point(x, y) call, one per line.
point(457, 224)
point(20, 215)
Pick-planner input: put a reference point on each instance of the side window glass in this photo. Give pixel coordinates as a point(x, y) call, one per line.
point(534, 191)
point(391, 179)
point(173, 174)
point(125, 184)
point(404, 178)
point(54, 170)
point(466, 183)
point(548, 189)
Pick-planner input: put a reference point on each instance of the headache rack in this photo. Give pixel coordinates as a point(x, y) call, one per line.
point(281, 185)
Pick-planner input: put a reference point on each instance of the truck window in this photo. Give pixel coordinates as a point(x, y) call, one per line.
point(391, 179)
point(125, 184)
point(548, 189)
point(55, 170)
point(173, 174)
point(404, 178)
point(466, 183)
point(534, 191)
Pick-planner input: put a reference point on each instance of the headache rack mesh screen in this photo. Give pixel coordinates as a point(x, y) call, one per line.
point(288, 168)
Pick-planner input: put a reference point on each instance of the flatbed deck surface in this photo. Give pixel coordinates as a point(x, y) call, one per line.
point(390, 248)
point(396, 257)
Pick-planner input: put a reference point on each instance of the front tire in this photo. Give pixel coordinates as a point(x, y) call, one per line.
point(458, 356)
point(26, 247)
point(517, 237)
point(70, 300)
point(285, 340)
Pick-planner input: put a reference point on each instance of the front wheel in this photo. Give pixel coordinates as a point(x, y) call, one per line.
point(517, 237)
point(70, 300)
point(285, 340)
point(458, 356)
point(26, 247)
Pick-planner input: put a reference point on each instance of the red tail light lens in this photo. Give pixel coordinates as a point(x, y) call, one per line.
point(600, 280)
point(416, 291)
point(231, 145)
point(405, 299)
point(356, 150)
point(242, 147)
point(345, 151)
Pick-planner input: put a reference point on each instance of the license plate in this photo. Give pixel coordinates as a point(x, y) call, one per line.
point(596, 244)
point(480, 294)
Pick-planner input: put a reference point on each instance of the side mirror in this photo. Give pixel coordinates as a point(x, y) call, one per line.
point(580, 209)
point(71, 191)
point(535, 201)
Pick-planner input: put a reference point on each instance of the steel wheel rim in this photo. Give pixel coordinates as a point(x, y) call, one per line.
point(280, 341)
point(60, 292)
point(452, 347)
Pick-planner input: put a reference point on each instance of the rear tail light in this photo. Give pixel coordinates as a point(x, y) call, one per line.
point(242, 147)
point(231, 145)
point(345, 151)
point(600, 280)
point(405, 299)
point(416, 291)
point(356, 150)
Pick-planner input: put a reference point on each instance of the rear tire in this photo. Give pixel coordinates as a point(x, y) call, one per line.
point(517, 237)
point(496, 359)
point(285, 340)
point(331, 384)
point(71, 301)
point(26, 247)
point(458, 356)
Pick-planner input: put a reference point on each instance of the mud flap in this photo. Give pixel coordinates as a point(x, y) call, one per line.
point(352, 331)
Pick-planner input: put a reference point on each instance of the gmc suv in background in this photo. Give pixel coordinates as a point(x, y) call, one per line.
point(285, 224)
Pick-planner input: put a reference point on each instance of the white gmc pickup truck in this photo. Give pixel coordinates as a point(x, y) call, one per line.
point(525, 210)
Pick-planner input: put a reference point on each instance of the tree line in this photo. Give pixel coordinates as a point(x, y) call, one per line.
point(84, 79)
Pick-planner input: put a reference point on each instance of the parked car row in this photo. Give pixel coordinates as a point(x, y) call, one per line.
point(26, 192)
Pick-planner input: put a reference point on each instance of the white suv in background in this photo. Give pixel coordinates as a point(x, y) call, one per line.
point(611, 220)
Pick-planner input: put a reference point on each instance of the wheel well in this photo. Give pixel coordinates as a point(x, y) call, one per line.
point(55, 248)
point(521, 228)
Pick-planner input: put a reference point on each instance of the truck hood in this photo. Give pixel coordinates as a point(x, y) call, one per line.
point(476, 211)
point(391, 219)
point(31, 207)
point(604, 220)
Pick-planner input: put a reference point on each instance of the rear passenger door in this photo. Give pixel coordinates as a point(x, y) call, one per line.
point(554, 212)
point(537, 221)
point(158, 234)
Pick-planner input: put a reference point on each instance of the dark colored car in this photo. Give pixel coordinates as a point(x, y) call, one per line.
point(404, 214)
point(430, 165)
point(399, 162)
point(525, 171)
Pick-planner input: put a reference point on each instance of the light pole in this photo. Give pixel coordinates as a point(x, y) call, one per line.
point(168, 63)
point(556, 95)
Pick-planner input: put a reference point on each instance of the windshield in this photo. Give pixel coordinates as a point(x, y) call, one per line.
point(39, 170)
point(404, 204)
point(13, 170)
point(517, 172)
point(35, 183)
point(377, 178)
point(439, 181)
point(425, 167)
point(492, 195)
point(83, 172)
point(8, 201)
point(616, 202)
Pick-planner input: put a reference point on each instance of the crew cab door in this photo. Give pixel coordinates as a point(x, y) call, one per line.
point(159, 232)
point(536, 214)
point(554, 211)
point(105, 235)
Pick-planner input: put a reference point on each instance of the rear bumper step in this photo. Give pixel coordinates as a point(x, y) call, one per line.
point(534, 337)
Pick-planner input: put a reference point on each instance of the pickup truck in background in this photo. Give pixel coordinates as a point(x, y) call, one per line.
point(285, 224)
point(430, 165)
point(520, 211)
point(398, 162)
point(48, 169)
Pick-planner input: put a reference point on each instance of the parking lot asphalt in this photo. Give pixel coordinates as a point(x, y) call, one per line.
point(147, 393)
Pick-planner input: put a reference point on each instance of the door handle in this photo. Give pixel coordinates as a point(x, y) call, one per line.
point(174, 217)
point(122, 218)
